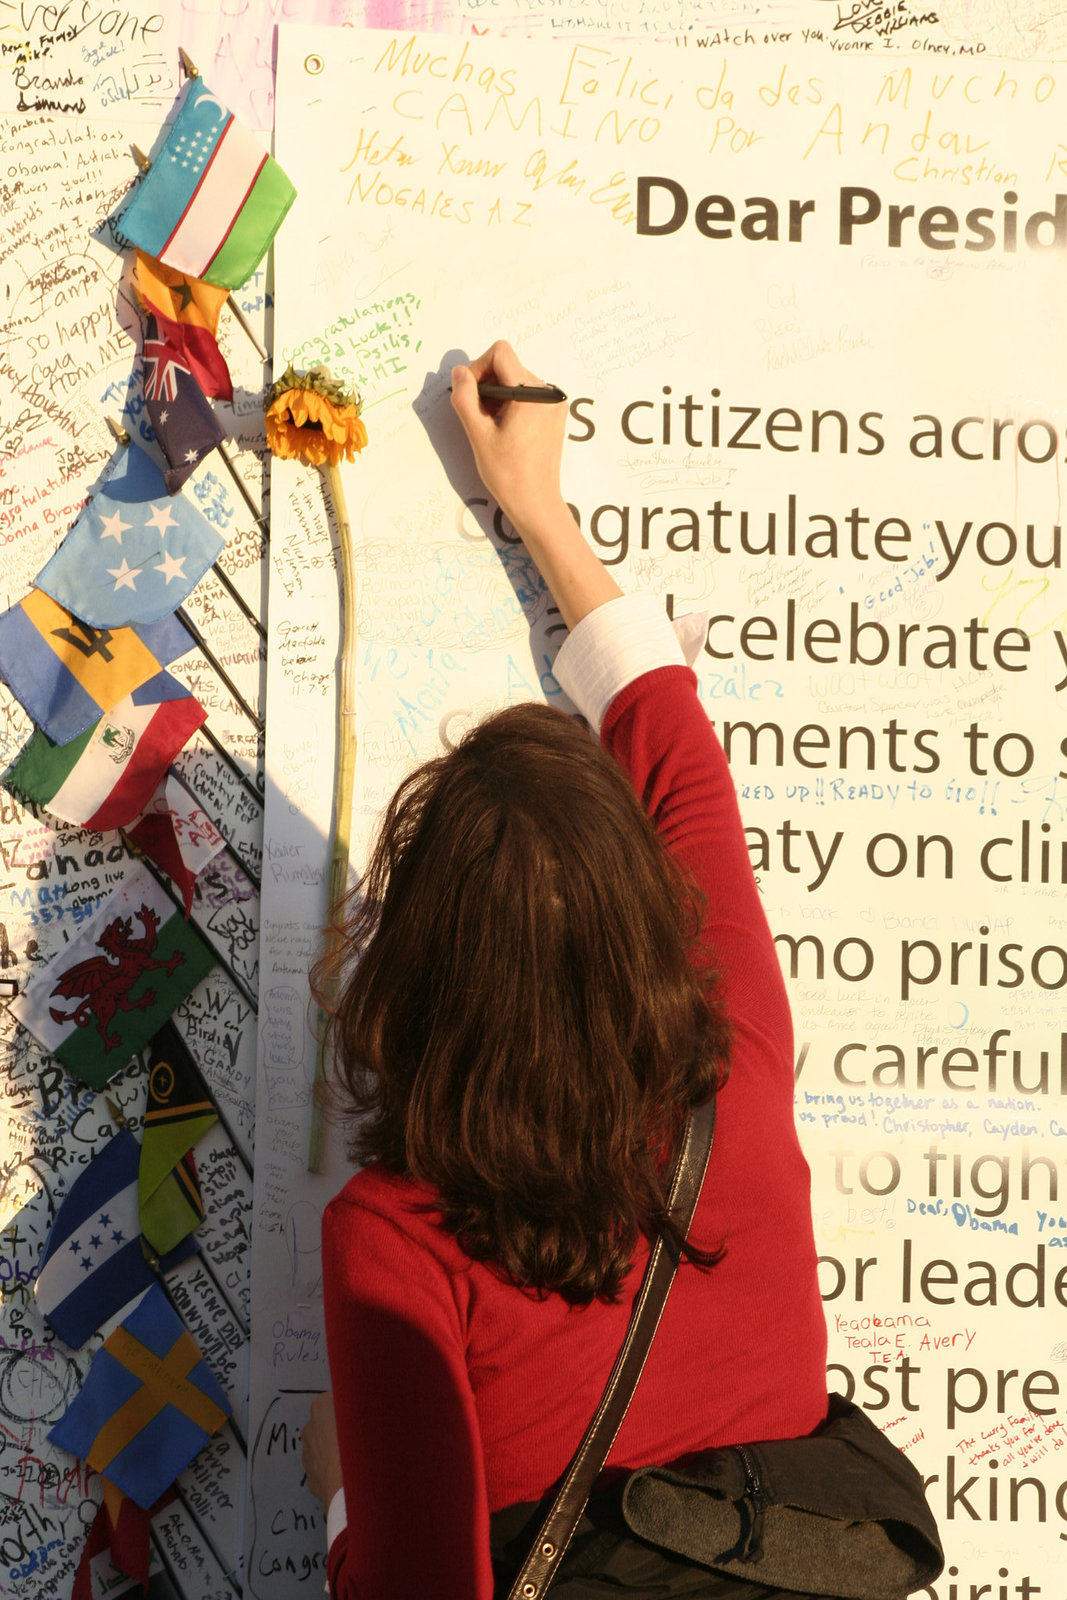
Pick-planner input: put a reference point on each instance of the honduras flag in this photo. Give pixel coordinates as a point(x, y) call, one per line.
point(93, 1262)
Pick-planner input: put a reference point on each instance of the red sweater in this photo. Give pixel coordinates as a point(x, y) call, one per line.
point(458, 1394)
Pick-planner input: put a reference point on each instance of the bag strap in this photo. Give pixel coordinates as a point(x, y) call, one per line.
point(541, 1564)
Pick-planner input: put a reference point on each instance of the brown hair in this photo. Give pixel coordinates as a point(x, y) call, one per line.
point(522, 1027)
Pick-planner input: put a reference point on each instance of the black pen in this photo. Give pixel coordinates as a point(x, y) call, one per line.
point(546, 393)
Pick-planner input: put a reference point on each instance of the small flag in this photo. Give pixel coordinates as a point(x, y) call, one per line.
point(107, 775)
point(94, 1011)
point(178, 835)
point(93, 1262)
point(178, 1112)
point(148, 1405)
point(176, 296)
point(213, 198)
point(68, 673)
point(117, 1541)
point(134, 554)
point(199, 352)
point(181, 415)
point(176, 1209)
point(187, 310)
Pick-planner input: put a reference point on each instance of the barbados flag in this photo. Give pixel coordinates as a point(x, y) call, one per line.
point(67, 673)
point(93, 1263)
point(212, 200)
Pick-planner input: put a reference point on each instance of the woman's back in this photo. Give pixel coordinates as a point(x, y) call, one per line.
point(475, 1393)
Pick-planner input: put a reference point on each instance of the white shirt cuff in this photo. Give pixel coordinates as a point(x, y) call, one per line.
point(336, 1518)
point(618, 642)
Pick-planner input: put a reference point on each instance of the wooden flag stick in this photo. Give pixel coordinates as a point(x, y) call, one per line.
point(238, 599)
point(146, 166)
point(247, 326)
point(243, 488)
point(216, 665)
point(224, 755)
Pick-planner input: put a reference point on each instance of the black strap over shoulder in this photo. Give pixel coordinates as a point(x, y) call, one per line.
point(565, 1513)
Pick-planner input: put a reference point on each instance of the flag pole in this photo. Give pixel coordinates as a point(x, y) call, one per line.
point(146, 166)
point(214, 662)
point(238, 599)
point(224, 755)
point(247, 326)
point(243, 490)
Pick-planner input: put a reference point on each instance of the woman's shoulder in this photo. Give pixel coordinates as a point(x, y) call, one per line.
point(389, 1194)
point(375, 1200)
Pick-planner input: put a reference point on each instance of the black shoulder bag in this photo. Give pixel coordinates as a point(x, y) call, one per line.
point(840, 1512)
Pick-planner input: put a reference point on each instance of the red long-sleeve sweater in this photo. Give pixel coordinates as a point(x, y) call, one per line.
point(458, 1394)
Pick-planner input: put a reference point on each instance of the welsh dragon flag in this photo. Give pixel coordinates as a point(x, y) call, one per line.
point(115, 984)
point(213, 198)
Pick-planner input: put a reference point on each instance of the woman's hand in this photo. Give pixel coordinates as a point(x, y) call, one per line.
point(319, 1449)
point(517, 449)
point(517, 446)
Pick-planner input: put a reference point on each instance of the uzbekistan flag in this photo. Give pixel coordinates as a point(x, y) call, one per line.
point(67, 673)
point(107, 775)
point(94, 1011)
point(213, 198)
point(148, 1405)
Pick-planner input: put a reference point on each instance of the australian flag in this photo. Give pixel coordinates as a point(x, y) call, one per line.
point(182, 417)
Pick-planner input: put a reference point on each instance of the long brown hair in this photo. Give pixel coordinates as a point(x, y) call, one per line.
point(520, 1025)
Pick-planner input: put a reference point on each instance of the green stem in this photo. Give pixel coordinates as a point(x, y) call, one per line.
point(344, 781)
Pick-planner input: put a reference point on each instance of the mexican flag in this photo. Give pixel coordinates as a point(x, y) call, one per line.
point(108, 774)
point(117, 982)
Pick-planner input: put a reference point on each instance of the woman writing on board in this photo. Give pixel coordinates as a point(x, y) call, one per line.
point(561, 950)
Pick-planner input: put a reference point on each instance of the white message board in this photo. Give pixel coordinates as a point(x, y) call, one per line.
point(807, 308)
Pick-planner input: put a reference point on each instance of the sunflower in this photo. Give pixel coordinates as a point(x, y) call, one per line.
point(311, 417)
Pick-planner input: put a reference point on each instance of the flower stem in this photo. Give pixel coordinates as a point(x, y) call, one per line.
point(344, 779)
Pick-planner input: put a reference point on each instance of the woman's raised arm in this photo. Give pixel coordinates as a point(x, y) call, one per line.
point(517, 450)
